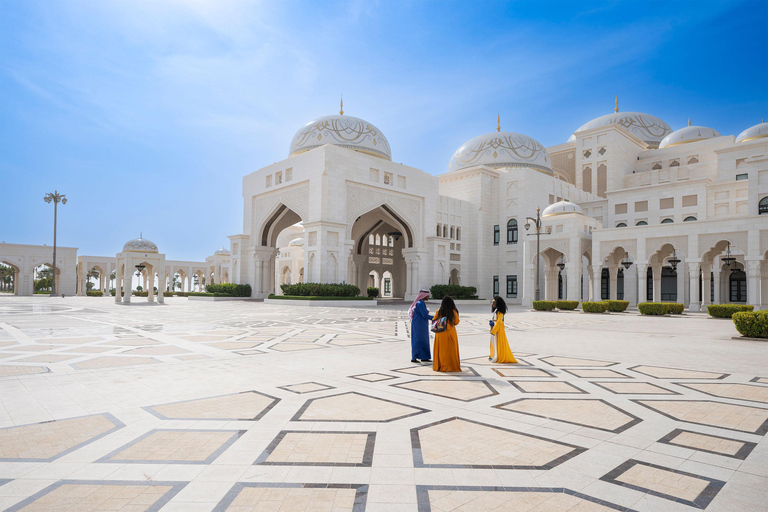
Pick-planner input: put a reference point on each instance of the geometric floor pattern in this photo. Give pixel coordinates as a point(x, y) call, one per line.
point(242, 406)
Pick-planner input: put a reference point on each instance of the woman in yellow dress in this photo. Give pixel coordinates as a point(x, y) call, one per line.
point(500, 351)
point(445, 355)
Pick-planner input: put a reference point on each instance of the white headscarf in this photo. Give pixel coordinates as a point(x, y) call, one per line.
point(423, 294)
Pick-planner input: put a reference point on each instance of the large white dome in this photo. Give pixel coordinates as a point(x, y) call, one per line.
point(754, 132)
point(222, 252)
point(688, 134)
point(646, 127)
point(501, 149)
point(140, 245)
point(345, 131)
point(561, 208)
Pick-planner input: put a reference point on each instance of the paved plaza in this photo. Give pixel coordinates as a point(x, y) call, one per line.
point(197, 406)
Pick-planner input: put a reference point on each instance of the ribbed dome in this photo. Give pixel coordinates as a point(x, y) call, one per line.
point(501, 149)
point(345, 131)
point(140, 245)
point(755, 132)
point(688, 134)
point(296, 242)
point(646, 127)
point(223, 252)
point(561, 208)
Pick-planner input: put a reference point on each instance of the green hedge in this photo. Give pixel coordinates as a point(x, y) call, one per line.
point(94, 293)
point(544, 305)
point(616, 306)
point(675, 308)
point(727, 310)
point(307, 297)
point(208, 294)
point(372, 292)
point(594, 307)
point(235, 290)
point(752, 324)
point(438, 291)
point(140, 294)
point(566, 305)
point(652, 308)
point(320, 290)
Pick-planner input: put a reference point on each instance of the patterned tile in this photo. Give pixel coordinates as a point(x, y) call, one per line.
point(306, 387)
point(747, 392)
point(372, 377)
point(761, 380)
point(234, 345)
point(269, 497)
point(544, 386)
point(293, 347)
point(32, 348)
point(50, 440)
point(46, 358)
point(634, 388)
point(112, 362)
point(743, 418)
point(132, 342)
point(248, 405)
point(598, 374)
point(465, 444)
point(484, 361)
point(74, 341)
point(709, 443)
point(523, 372)
point(342, 341)
point(355, 407)
point(14, 371)
point(166, 446)
point(591, 413)
point(163, 350)
point(575, 361)
point(205, 338)
point(661, 372)
point(462, 390)
point(671, 484)
point(425, 370)
point(101, 496)
point(89, 350)
point(435, 498)
point(320, 448)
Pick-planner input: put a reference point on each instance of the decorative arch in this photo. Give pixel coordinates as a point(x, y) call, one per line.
point(282, 216)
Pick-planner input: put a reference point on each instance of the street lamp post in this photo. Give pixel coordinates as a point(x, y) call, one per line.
point(537, 225)
point(56, 198)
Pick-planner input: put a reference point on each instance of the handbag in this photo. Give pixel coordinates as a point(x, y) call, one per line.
point(439, 324)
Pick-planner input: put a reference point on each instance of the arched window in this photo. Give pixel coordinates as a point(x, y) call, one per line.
point(439, 231)
point(371, 239)
point(641, 223)
point(690, 219)
point(667, 221)
point(453, 231)
point(378, 239)
point(621, 225)
point(458, 233)
point(512, 231)
point(445, 231)
point(763, 206)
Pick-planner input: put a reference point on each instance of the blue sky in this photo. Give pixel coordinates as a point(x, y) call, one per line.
point(148, 113)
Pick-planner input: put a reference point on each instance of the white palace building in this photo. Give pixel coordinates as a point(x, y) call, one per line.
point(630, 209)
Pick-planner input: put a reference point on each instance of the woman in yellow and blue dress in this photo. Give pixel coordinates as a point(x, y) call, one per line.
point(500, 351)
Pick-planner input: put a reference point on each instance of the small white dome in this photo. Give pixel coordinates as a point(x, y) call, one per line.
point(754, 132)
point(345, 131)
point(140, 245)
point(688, 134)
point(561, 208)
point(223, 252)
point(296, 242)
point(501, 149)
point(645, 127)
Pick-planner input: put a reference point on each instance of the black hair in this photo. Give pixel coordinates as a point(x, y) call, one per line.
point(447, 310)
point(501, 306)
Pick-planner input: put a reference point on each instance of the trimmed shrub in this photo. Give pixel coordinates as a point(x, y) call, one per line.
point(616, 306)
point(566, 305)
point(140, 294)
point(373, 292)
point(594, 307)
point(751, 324)
point(320, 290)
point(208, 294)
point(675, 308)
point(652, 308)
point(167, 294)
point(438, 291)
point(307, 297)
point(235, 290)
point(544, 305)
point(727, 310)
point(94, 293)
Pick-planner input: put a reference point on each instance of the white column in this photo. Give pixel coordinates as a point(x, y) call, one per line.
point(597, 274)
point(694, 270)
point(716, 278)
point(613, 283)
point(161, 283)
point(642, 282)
point(117, 285)
point(681, 283)
point(657, 283)
point(753, 282)
point(590, 295)
point(127, 276)
point(150, 280)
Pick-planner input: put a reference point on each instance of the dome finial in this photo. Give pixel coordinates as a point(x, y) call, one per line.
point(341, 110)
point(616, 108)
point(498, 123)
point(689, 120)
